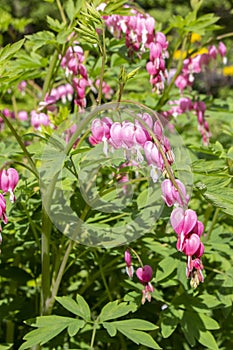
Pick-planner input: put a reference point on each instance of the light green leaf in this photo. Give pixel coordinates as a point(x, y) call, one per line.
point(41, 336)
point(135, 323)
point(80, 308)
point(69, 304)
point(168, 324)
point(168, 265)
point(74, 327)
point(209, 322)
point(9, 50)
point(140, 337)
point(207, 339)
point(110, 328)
point(40, 39)
point(83, 307)
point(114, 310)
point(221, 198)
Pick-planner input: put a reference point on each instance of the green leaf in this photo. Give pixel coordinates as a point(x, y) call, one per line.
point(169, 323)
point(6, 346)
point(54, 24)
point(110, 328)
point(49, 327)
point(168, 265)
point(221, 198)
point(9, 50)
point(207, 339)
point(114, 310)
point(80, 308)
point(70, 9)
point(135, 323)
point(41, 336)
point(139, 337)
point(84, 307)
point(74, 327)
point(209, 322)
point(40, 39)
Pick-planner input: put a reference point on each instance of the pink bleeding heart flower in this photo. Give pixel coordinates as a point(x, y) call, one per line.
point(171, 195)
point(198, 228)
point(128, 134)
point(183, 222)
point(144, 274)
point(8, 181)
point(191, 244)
point(115, 133)
point(200, 251)
point(3, 216)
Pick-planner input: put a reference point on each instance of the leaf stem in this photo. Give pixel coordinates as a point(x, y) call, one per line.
point(21, 144)
point(59, 5)
point(103, 50)
point(49, 74)
point(45, 261)
point(94, 333)
point(214, 220)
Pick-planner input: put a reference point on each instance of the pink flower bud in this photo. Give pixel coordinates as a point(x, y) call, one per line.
point(222, 49)
point(8, 181)
point(213, 51)
point(22, 115)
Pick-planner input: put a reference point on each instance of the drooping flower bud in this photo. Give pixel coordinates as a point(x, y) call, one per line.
point(128, 261)
point(8, 181)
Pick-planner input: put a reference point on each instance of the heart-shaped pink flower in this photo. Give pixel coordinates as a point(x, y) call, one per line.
point(183, 221)
point(191, 244)
point(144, 274)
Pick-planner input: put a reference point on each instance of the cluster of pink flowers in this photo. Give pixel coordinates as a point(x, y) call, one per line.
point(187, 227)
point(62, 92)
point(156, 66)
point(39, 119)
point(137, 139)
point(144, 275)
point(134, 138)
point(185, 105)
point(192, 66)
point(8, 181)
point(72, 63)
point(106, 89)
point(139, 32)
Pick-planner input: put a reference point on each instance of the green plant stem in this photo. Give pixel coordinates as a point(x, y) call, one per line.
point(21, 144)
point(45, 261)
point(94, 334)
point(103, 277)
point(138, 257)
point(59, 5)
point(103, 51)
point(51, 300)
point(214, 220)
point(49, 75)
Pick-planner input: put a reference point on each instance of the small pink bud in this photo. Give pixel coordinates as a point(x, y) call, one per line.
point(222, 49)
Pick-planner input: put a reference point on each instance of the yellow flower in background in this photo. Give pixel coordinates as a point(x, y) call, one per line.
point(195, 37)
point(178, 54)
point(200, 52)
point(228, 70)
